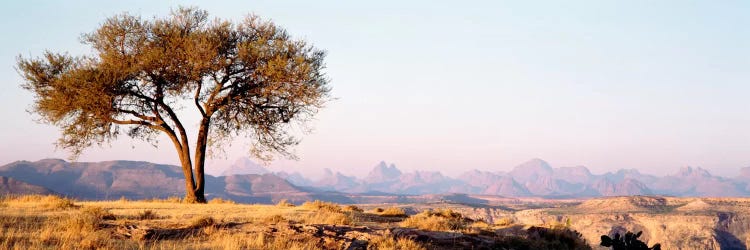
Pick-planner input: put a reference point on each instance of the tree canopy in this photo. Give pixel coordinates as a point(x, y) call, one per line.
point(243, 79)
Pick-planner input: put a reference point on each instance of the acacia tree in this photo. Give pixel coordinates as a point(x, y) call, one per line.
point(243, 79)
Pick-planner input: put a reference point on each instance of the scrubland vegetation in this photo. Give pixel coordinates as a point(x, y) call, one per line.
point(51, 222)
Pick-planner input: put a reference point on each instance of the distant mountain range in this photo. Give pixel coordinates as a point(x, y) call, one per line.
point(534, 178)
point(246, 181)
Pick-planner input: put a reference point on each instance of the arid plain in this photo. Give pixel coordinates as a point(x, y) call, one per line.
point(51, 222)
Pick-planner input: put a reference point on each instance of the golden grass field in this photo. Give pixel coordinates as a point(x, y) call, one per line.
point(51, 222)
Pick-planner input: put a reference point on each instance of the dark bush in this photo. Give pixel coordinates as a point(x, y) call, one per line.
point(629, 242)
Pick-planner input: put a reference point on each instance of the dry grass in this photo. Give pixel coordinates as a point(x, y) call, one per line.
point(480, 225)
point(201, 221)
point(48, 222)
point(225, 240)
point(322, 205)
point(325, 213)
point(273, 219)
point(147, 215)
point(438, 220)
point(98, 212)
point(504, 222)
point(353, 208)
point(221, 201)
point(171, 199)
point(49, 202)
point(326, 217)
point(392, 212)
point(284, 203)
point(388, 242)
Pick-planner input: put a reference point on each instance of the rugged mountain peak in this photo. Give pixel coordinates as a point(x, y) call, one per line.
point(582, 170)
point(382, 172)
point(534, 164)
point(327, 172)
point(475, 174)
point(243, 166)
point(336, 180)
point(693, 172)
point(506, 186)
point(295, 178)
point(631, 171)
point(577, 174)
point(422, 176)
point(531, 170)
point(626, 186)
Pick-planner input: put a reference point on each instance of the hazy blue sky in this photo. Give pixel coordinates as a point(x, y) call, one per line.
point(451, 86)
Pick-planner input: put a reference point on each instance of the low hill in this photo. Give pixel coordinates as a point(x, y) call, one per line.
point(10, 186)
point(143, 180)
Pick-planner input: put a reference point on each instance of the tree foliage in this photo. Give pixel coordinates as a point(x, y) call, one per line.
point(243, 79)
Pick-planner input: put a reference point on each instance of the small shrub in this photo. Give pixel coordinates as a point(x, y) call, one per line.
point(56, 202)
point(95, 240)
point(629, 242)
point(480, 224)
point(393, 212)
point(448, 213)
point(441, 220)
point(353, 208)
point(543, 238)
point(201, 221)
point(99, 212)
point(80, 223)
point(284, 203)
point(321, 205)
point(389, 242)
point(326, 217)
point(276, 218)
point(504, 221)
point(378, 210)
point(147, 215)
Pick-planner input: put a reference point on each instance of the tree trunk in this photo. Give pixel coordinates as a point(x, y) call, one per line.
point(190, 193)
point(195, 180)
point(200, 159)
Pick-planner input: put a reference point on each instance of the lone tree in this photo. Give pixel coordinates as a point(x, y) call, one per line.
point(243, 79)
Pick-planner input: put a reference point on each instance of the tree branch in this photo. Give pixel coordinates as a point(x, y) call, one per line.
point(197, 100)
point(132, 122)
point(138, 115)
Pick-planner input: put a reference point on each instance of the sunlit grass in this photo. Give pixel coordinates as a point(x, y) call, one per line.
point(51, 222)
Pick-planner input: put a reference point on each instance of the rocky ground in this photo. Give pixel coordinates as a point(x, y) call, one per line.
point(43, 222)
point(51, 222)
point(676, 223)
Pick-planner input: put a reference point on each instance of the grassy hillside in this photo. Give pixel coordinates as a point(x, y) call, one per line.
point(51, 222)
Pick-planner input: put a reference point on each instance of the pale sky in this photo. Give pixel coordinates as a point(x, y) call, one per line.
point(459, 85)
